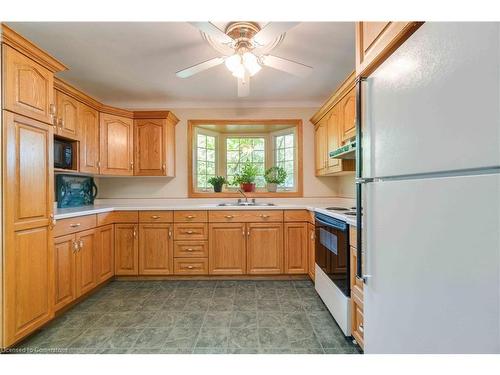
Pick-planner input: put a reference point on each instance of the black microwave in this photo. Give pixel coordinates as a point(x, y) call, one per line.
point(63, 154)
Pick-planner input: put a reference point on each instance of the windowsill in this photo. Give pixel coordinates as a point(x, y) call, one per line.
point(257, 194)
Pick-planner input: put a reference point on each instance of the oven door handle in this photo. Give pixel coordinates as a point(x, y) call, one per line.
point(330, 225)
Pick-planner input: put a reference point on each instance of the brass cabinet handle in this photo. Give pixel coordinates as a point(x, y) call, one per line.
point(264, 216)
point(155, 217)
point(131, 165)
point(190, 267)
point(52, 221)
point(361, 328)
point(248, 233)
point(189, 217)
point(312, 235)
point(189, 249)
point(80, 244)
point(169, 233)
point(134, 233)
point(163, 167)
point(75, 246)
point(243, 232)
point(74, 225)
point(228, 216)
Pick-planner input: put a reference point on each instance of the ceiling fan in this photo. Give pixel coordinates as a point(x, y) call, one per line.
point(245, 47)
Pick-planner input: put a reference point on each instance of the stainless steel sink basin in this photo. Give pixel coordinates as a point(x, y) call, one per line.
point(245, 204)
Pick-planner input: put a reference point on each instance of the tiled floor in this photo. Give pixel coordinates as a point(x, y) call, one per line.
point(196, 317)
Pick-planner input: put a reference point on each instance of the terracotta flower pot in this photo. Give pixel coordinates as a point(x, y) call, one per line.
point(248, 187)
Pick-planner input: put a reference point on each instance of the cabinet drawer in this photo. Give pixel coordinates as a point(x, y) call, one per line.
point(247, 216)
point(74, 224)
point(117, 217)
point(298, 216)
point(190, 231)
point(156, 216)
point(353, 236)
point(190, 249)
point(190, 216)
point(191, 266)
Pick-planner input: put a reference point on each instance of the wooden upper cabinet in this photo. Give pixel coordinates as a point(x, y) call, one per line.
point(264, 248)
point(348, 110)
point(28, 172)
point(86, 278)
point(320, 147)
point(333, 132)
point(156, 249)
point(154, 152)
point(67, 122)
point(89, 139)
point(116, 145)
point(375, 41)
point(126, 249)
point(105, 253)
point(28, 86)
point(64, 270)
point(296, 248)
point(227, 249)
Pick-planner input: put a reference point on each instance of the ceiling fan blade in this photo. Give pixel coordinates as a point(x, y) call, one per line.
point(289, 66)
point(188, 72)
point(212, 30)
point(271, 31)
point(243, 87)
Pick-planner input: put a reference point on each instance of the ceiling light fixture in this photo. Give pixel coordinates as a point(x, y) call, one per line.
point(239, 64)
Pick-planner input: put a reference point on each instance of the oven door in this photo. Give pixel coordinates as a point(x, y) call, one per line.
point(332, 244)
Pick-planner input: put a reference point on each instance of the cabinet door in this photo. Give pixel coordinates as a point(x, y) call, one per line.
point(312, 251)
point(28, 86)
point(85, 262)
point(348, 107)
point(89, 139)
point(64, 270)
point(156, 249)
point(105, 253)
point(28, 243)
point(116, 145)
point(126, 249)
point(67, 116)
point(333, 132)
point(150, 147)
point(357, 318)
point(296, 246)
point(375, 41)
point(227, 249)
point(320, 147)
point(264, 248)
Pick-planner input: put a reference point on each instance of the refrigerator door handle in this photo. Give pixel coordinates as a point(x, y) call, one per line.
point(364, 180)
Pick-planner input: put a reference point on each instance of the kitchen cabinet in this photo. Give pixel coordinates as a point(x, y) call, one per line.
point(116, 145)
point(67, 123)
point(126, 249)
point(105, 253)
point(375, 41)
point(264, 248)
point(348, 116)
point(227, 249)
point(191, 266)
point(356, 292)
point(154, 147)
point(28, 186)
point(320, 147)
point(311, 251)
point(28, 86)
point(65, 248)
point(190, 231)
point(89, 139)
point(296, 248)
point(156, 249)
point(334, 124)
point(85, 261)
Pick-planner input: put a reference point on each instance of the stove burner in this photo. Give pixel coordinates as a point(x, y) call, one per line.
point(337, 209)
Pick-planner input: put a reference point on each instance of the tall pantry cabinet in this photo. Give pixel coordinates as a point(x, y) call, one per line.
point(28, 118)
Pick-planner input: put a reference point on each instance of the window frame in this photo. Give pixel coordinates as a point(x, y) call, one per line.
point(193, 128)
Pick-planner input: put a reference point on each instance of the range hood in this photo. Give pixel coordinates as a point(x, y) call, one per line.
point(345, 152)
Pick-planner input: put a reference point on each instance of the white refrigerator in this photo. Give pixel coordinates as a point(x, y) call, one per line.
point(430, 193)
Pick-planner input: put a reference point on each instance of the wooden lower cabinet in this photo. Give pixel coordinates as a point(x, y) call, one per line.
point(227, 249)
point(105, 253)
point(156, 249)
point(296, 245)
point(85, 262)
point(311, 230)
point(126, 249)
point(191, 266)
point(264, 248)
point(65, 248)
point(357, 318)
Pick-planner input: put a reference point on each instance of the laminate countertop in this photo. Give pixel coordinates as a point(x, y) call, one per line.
point(105, 205)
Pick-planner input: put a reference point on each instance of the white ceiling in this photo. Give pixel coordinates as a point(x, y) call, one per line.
point(133, 64)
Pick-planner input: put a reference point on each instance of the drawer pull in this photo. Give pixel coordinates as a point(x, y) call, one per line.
point(190, 267)
point(264, 216)
point(74, 225)
point(361, 328)
point(189, 249)
point(189, 232)
point(229, 216)
point(155, 217)
point(189, 217)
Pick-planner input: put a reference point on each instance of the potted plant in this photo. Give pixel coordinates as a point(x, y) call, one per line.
point(217, 183)
point(246, 178)
point(274, 176)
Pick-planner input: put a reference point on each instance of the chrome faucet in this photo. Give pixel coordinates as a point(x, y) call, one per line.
point(246, 203)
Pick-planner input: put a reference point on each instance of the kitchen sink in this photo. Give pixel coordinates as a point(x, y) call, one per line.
point(245, 204)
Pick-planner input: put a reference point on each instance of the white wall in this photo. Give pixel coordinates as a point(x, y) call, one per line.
point(163, 187)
